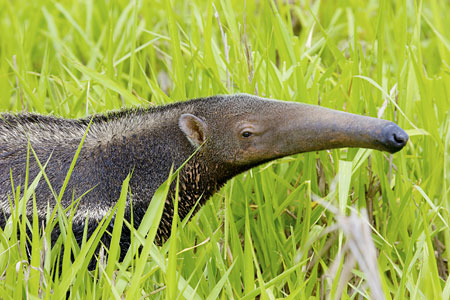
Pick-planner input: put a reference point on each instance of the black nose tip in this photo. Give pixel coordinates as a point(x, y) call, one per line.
point(394, 138)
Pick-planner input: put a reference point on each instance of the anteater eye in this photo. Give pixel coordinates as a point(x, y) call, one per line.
point(246, 134)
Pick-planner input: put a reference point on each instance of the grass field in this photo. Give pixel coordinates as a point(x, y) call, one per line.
point(271, 232)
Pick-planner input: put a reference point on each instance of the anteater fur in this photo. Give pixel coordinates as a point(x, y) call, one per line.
point(147, 142)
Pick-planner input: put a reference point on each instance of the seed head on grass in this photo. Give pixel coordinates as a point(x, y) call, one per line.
point(358, 248)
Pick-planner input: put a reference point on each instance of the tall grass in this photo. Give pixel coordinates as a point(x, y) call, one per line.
point(291, 228)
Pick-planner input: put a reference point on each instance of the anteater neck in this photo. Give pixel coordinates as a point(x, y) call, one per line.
point(149, 156)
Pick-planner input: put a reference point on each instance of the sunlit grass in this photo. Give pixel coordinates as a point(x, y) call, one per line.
point(267, 233)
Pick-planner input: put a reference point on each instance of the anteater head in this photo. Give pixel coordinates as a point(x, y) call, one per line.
point(231, 133)
point(248, 130)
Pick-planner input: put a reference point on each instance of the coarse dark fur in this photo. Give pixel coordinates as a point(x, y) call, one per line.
point(146, 142)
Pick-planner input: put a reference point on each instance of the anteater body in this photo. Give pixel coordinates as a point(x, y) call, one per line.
point(235, 133)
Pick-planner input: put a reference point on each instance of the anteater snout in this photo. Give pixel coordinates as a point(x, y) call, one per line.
point(393, 137)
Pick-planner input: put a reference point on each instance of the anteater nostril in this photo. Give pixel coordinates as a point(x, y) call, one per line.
point(400, 138)
point(394, 138)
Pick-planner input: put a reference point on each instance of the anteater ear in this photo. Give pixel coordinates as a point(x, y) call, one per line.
point(194, 128)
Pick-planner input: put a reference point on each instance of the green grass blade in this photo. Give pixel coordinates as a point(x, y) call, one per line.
point(155, 210)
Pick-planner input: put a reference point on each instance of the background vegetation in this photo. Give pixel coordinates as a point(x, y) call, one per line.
point(267, 233)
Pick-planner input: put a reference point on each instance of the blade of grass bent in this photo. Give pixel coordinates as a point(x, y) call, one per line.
point(114, 248)
point(82, 260)
point(155, 210)
point(171, 275)
point(107, 82)
point(214, 294)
